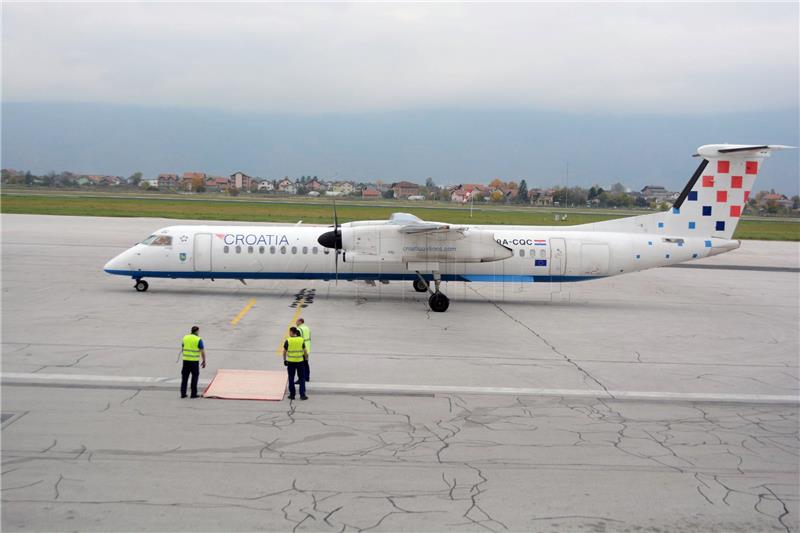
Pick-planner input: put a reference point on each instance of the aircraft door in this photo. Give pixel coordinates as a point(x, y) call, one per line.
point(558, 257)
point(202, 252)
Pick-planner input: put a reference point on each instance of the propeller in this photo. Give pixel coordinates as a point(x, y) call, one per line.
point(333, 239)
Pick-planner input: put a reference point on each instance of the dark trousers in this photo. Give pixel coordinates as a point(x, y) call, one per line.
point(193, 368)
point(296, 368)
point(307, 370)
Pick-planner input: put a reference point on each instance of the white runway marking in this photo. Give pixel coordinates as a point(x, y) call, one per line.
point(87, 379)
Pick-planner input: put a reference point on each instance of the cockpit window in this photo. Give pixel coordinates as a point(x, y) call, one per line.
point(158, 240)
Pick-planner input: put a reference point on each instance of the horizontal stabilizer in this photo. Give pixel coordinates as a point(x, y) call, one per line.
point(717, 150)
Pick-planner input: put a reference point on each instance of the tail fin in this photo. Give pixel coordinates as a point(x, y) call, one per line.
point(712, 202)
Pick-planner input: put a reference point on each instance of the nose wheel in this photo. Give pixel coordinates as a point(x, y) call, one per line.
point(141, 285)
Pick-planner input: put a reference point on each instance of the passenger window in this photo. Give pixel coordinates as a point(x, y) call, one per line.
point(294, 249)
point(542, 253)
point(261, 249)
point(314, 250)
point(283, 249)
point(249, 249)
point(238, 249)
point(305, 250)
point(521, 252)
point(272, 249)
point(162, 240)
point(226, 249)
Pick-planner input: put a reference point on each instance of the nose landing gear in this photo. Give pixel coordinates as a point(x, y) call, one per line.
point(141, 285)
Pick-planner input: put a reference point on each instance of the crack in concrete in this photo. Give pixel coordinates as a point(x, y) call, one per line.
point(586, 375)
point(69, 365)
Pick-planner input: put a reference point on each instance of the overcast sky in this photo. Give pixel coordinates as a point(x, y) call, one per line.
point(311, 58)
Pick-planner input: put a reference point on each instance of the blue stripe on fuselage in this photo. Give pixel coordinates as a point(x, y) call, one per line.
point(366, 276)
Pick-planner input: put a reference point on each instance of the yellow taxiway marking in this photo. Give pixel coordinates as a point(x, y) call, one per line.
point(300, 302)
point(243, 312)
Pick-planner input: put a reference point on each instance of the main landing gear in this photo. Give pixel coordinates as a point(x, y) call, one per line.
point(438, 301)
point(420, 285)
point(141, 285)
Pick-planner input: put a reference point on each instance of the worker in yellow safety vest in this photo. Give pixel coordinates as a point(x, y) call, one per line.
point(294, 356)
point(305, 332)
point(192, 351)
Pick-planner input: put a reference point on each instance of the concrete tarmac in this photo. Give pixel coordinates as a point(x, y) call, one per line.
point(664, 400)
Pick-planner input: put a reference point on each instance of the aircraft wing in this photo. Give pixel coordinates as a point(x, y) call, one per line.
point(412, 225)
point(424, 227)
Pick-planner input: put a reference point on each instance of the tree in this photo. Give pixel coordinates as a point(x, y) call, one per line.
point(522, 193)
point(135, 179)
point(233, 191)
point(388, 194)
point(496, 184)
point(429, 184)
point(497, 196)
point(595, 191)
point(201, 188)
point(618, 188)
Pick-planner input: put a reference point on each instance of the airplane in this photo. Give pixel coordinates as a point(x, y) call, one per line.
point(699, 224)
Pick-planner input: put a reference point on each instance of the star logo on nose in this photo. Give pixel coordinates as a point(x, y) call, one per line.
point(184, 238)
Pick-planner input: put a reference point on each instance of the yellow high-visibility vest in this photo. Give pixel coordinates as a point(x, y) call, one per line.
point(306, 334)
point(294, 350)
point(191, 347)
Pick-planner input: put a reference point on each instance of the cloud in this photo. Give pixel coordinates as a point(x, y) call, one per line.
point(332, 58)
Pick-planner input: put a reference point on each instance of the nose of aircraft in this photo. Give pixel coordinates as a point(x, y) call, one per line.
point(117, 263)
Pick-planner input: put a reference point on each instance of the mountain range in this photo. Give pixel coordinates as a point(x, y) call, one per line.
point(450, 145)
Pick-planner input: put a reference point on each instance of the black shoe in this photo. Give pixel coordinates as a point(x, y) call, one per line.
point(304, 397)
point(195, 396)
point(183, 396)
point(291, 397)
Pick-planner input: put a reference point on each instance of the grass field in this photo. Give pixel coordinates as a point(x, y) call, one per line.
point(321, 212)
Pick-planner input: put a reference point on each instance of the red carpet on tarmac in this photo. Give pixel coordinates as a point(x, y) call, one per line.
point(247, 385)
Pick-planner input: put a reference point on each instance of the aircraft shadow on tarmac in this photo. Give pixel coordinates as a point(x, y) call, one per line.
point(370, 295)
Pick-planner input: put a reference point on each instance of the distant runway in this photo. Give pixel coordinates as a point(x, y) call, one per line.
point(752, 268)
point(524, 407)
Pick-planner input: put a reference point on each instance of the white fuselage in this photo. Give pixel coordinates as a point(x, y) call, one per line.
point(378, 252)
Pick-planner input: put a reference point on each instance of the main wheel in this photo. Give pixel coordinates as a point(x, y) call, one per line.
point(141, 285)
point(439, 302)
point(420, 286)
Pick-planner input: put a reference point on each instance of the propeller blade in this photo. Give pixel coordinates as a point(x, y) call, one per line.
point(335, 219)
point(338, 240)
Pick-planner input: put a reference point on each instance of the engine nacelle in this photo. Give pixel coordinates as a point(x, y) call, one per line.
point(387, 243)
